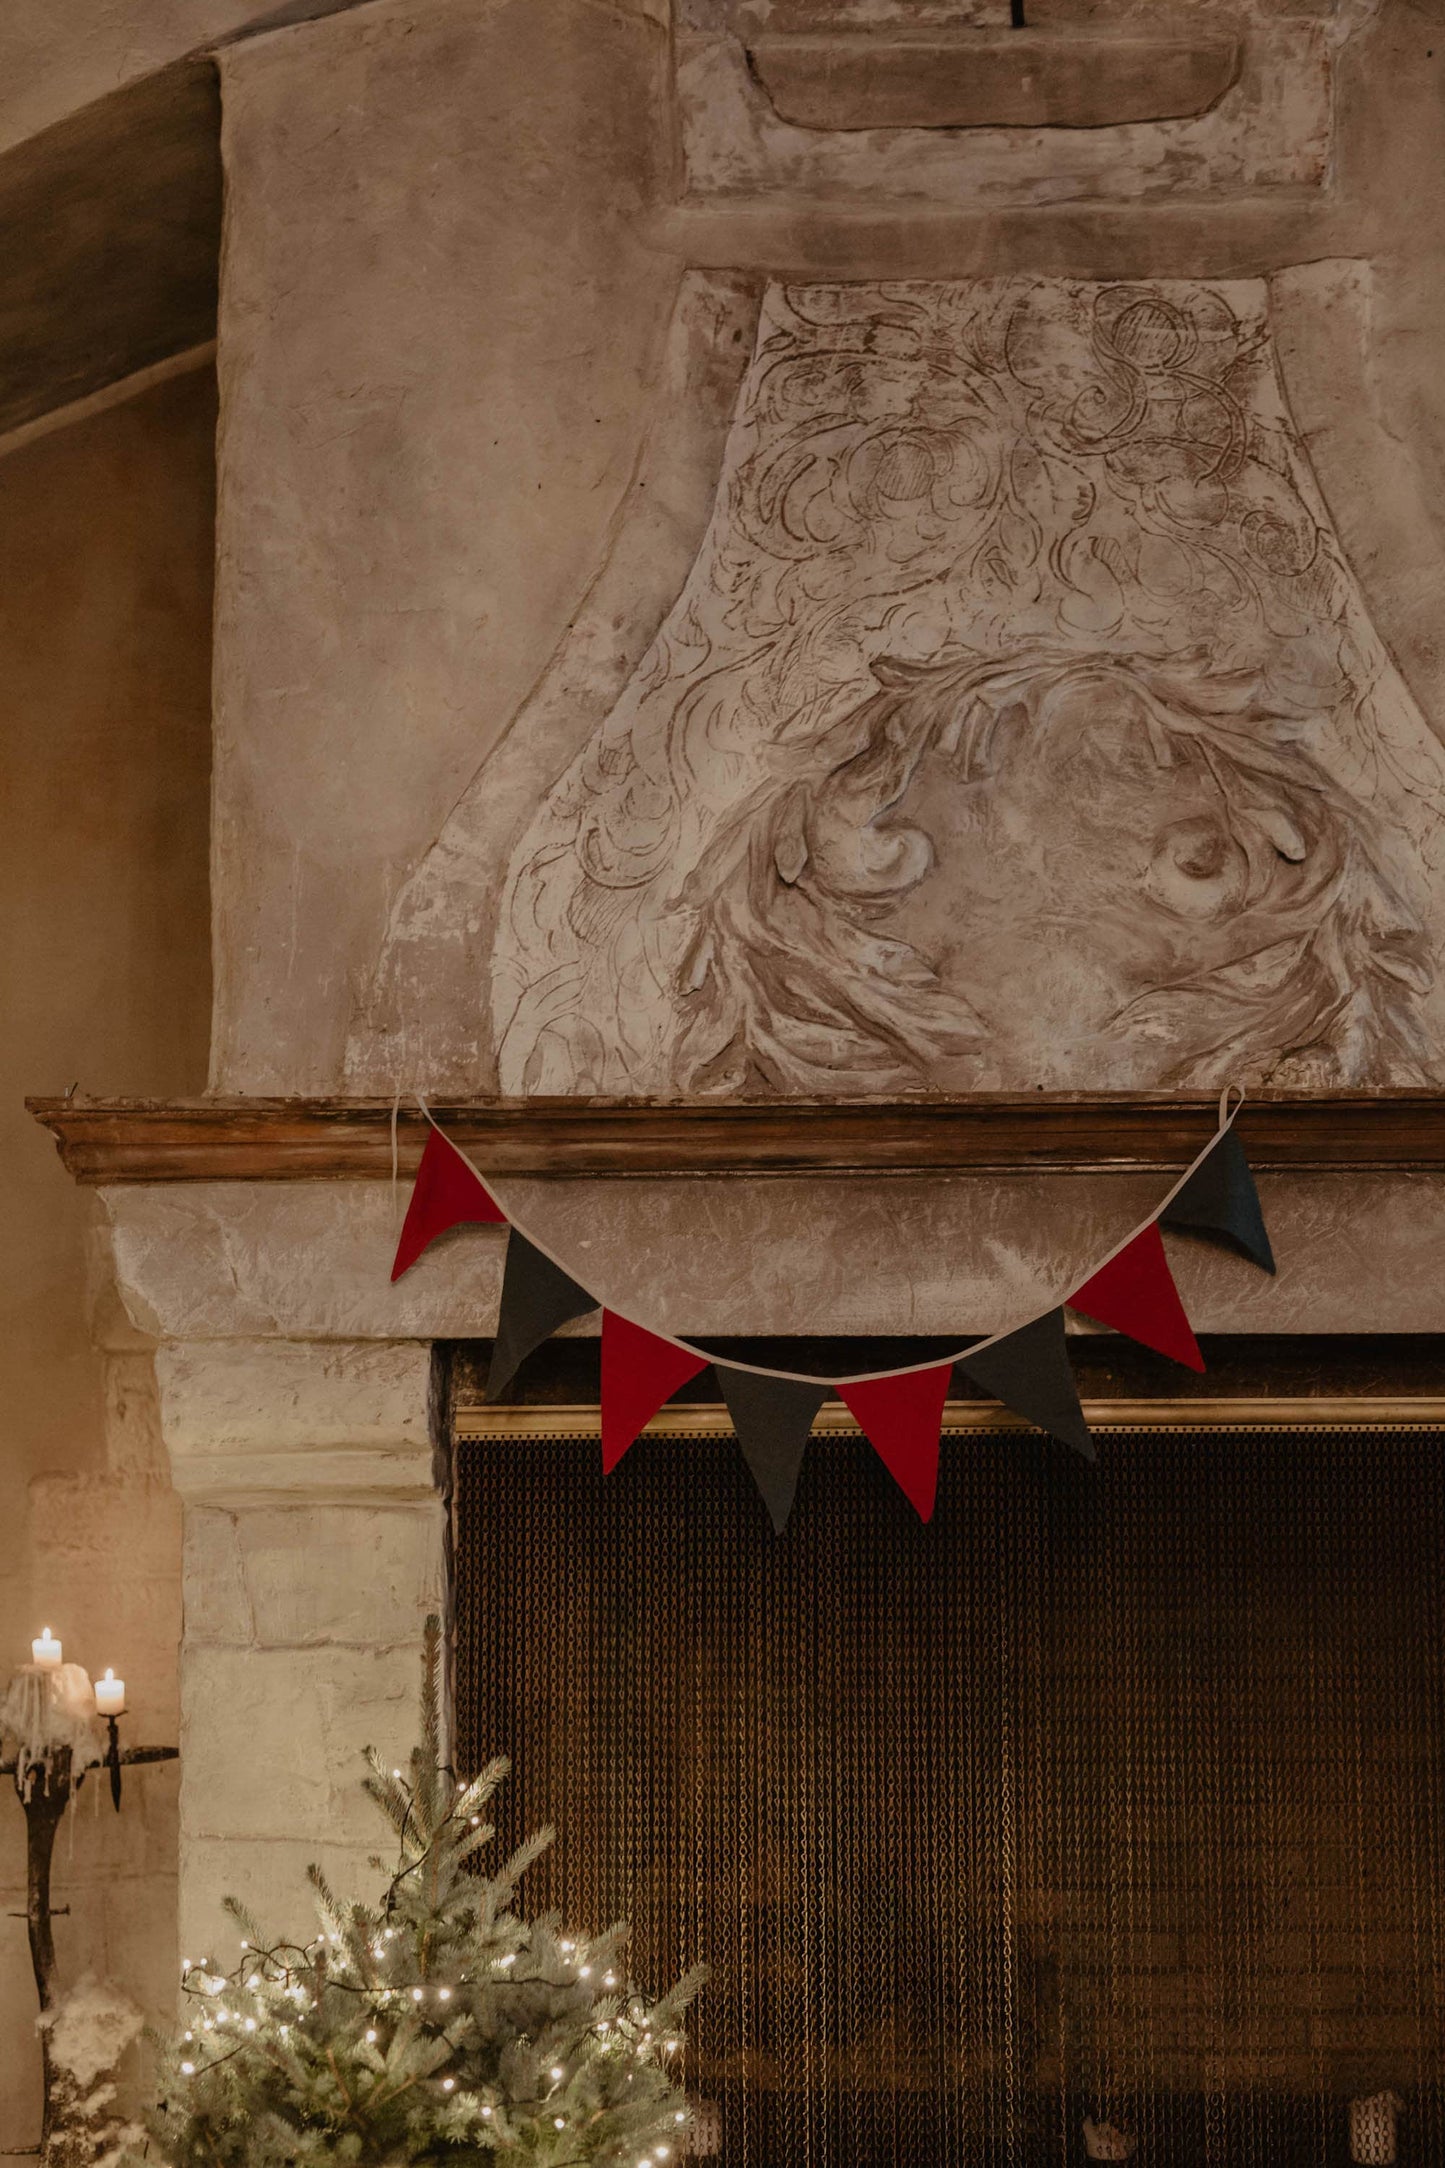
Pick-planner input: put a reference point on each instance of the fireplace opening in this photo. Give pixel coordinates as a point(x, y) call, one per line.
point(1112, 1794)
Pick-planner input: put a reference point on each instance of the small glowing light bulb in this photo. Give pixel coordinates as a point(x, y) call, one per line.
point(250, 2024)
point(416, 1994)
point(558, 2073)
point(371, 2032)
point(444, 1994)
point(486, 2111)
point(609, 1979)
point(569, 1947)
point(585, 1973)
point(188, 2070)
point(559, 2122)
point(448, 2085)
point(681, 2116)
point(670, 2046)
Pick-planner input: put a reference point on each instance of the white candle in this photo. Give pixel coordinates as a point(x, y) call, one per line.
point(110, 1694)
point(46, 1651)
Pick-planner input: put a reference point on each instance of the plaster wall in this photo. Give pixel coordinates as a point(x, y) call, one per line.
point(58, 56)
point(105, 588)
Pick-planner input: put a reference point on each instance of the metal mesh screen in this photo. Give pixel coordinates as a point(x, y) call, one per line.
point(1113, 1792)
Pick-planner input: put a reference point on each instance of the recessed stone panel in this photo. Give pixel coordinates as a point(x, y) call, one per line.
point(1079, 108)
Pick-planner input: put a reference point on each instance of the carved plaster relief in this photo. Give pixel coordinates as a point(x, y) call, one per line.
point(1018, 724)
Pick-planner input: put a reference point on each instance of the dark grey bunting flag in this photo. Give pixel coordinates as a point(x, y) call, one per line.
point(1220, 1203)
point(1029, 1371)
point(537, 1297)
point(773, 1418)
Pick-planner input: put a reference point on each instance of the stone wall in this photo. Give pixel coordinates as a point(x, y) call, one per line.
point(313, 1551)
point(105, 585)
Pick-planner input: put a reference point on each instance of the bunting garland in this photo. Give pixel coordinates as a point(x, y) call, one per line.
point(640, 1370)
point(902, 1419)
point(773, 1419)
point(900, 1411)
point(1030, 1372)
point(537, 1297)
point(1220, 1202)
point(447, 1193)
point(1135, 1293)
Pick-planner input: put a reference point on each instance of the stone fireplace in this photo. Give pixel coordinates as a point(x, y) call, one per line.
point(737, 596)
point(309, 1411)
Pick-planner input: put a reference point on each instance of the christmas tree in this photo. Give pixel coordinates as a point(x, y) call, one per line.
point(438, 2026)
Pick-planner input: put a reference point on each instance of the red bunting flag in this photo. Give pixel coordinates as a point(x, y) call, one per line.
point(639, 1372)
point(445, 1194)
point(1135, 1293)
point(901, 1418)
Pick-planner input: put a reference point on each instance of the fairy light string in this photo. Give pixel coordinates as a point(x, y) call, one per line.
point(437, 2006)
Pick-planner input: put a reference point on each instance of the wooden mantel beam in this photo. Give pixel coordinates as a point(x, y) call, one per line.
point(106, 1141)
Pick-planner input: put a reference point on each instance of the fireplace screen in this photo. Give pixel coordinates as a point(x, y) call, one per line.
point(1113, 1794)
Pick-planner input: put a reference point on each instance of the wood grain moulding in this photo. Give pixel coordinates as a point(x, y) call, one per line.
point(104, 1141)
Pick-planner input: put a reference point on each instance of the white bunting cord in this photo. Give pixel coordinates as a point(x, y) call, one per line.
point(1227, 1116)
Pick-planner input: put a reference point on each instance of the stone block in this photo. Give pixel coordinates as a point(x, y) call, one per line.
point(264, 1418)
point(271, 1739)
point(310, 1260)
point(267, 1877)
point(134, 1446)
point(1270, 128)
point(112, 1522)
point(337, 1574)
point(138, 1915)
point(217, 1601)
